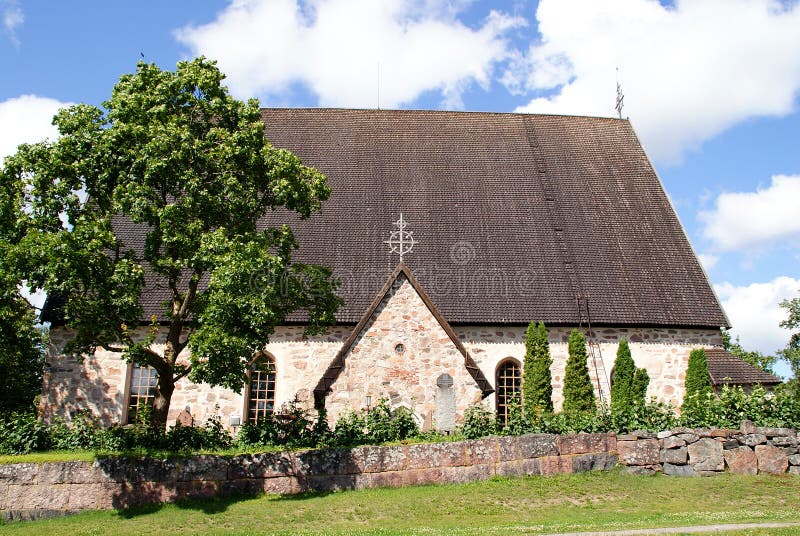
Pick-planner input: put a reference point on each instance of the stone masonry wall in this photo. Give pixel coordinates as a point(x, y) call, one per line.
point(30, 490)
point(691, 452)
point(399, 355)
point(98, 384)
point(663, 352)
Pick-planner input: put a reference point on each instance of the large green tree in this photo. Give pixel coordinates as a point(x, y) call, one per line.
point(21, 342)
point(792, 351)
point(578, 390)
point(173, 153)
point(537, 383)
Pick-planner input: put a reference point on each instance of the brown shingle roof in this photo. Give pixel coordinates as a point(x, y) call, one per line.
point(725, 368)
point(513, 213)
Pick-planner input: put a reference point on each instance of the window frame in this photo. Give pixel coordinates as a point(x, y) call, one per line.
point(501, 398)
point(131, 409)
point(260, 358)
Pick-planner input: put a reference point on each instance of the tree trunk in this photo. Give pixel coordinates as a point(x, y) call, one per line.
point(164, 390)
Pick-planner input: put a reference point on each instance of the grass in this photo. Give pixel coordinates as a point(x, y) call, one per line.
point(580, 502)
point(49, 456)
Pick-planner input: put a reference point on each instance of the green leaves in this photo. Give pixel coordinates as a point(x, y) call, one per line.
point(173, 152)
point(537, 388)
point(578, 390)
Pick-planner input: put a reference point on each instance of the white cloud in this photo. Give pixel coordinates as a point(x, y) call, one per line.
point(333, 47)
point(12, 18)
point(688, 72)
point(708, 260)
point(26, 119)
point(742, 220)
point(755, 313)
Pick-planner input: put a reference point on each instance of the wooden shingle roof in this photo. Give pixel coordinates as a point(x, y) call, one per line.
point(725, 368)
point(514, 214)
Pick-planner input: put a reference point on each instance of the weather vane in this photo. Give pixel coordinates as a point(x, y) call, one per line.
point(401, 241)
point(620, 97)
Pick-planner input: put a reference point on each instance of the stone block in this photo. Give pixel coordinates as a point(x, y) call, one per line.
point(688, 437)
point(642, 452)
point(785, 441)
point(664, 434)
point(325, 461)
point(676, 456)
point(555, 465)
point(678, 470)
point(775, 432)
point(582, 443)
point(706, 455)
point(794, 470)
point(730, 444)
point(741, 460)
point(671, 442)
point(438, 455)
point(771, 460)
point(36, 497)
point(643, 434)
point(467, 473)
point(538, 445)
point(747, 427)
point(598, 461)
point(751, 440)
point(347, 482)
point(197, 489)
point(264, 465)
point(482, 451)
point(19, 473)
point(723, 433)
point(794, 459)
point(202, 467)
point(509, 448)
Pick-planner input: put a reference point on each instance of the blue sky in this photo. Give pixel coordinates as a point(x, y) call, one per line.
point(711, 86)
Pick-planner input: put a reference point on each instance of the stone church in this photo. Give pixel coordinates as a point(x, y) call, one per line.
point(450, 232)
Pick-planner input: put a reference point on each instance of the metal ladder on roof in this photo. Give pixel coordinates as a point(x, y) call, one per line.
point(593, 345)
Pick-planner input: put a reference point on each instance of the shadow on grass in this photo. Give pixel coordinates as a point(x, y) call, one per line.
point(215, 505)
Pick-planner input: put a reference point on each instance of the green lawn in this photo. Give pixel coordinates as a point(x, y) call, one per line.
point(587, 501)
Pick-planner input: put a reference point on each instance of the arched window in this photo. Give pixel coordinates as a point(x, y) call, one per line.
point(142, 390)
point(508, 385)
point(261, 391)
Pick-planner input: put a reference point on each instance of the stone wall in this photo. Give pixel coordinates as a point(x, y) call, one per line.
point(398, 355)
point(99, 383)
point(29, 490)
point(664, 352)
point(691, 452)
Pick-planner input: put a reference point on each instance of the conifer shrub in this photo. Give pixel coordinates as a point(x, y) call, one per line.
point(578, 390)
point(641, 380)
point(698, 382)
point(537, 383)
point(624, 372)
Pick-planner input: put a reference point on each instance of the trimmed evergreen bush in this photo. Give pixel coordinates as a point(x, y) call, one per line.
point(537, 383)
point(624, 371)
point(641, 380)
point(578, 390)
point(698, 382)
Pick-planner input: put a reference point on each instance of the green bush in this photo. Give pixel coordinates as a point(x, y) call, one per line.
point(698, 382)
point(622, 385)
point(578, 390)
point(537, 383)
point(478, 422)
point(21, 433)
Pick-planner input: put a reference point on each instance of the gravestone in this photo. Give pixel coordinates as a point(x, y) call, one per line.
point(445, 404)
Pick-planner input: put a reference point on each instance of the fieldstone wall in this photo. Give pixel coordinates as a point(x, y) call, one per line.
point(399, 355)
point(29, 490)
point(99, 383)
point(692, 452)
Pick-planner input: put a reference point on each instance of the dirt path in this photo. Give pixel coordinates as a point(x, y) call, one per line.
point(697, 529)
